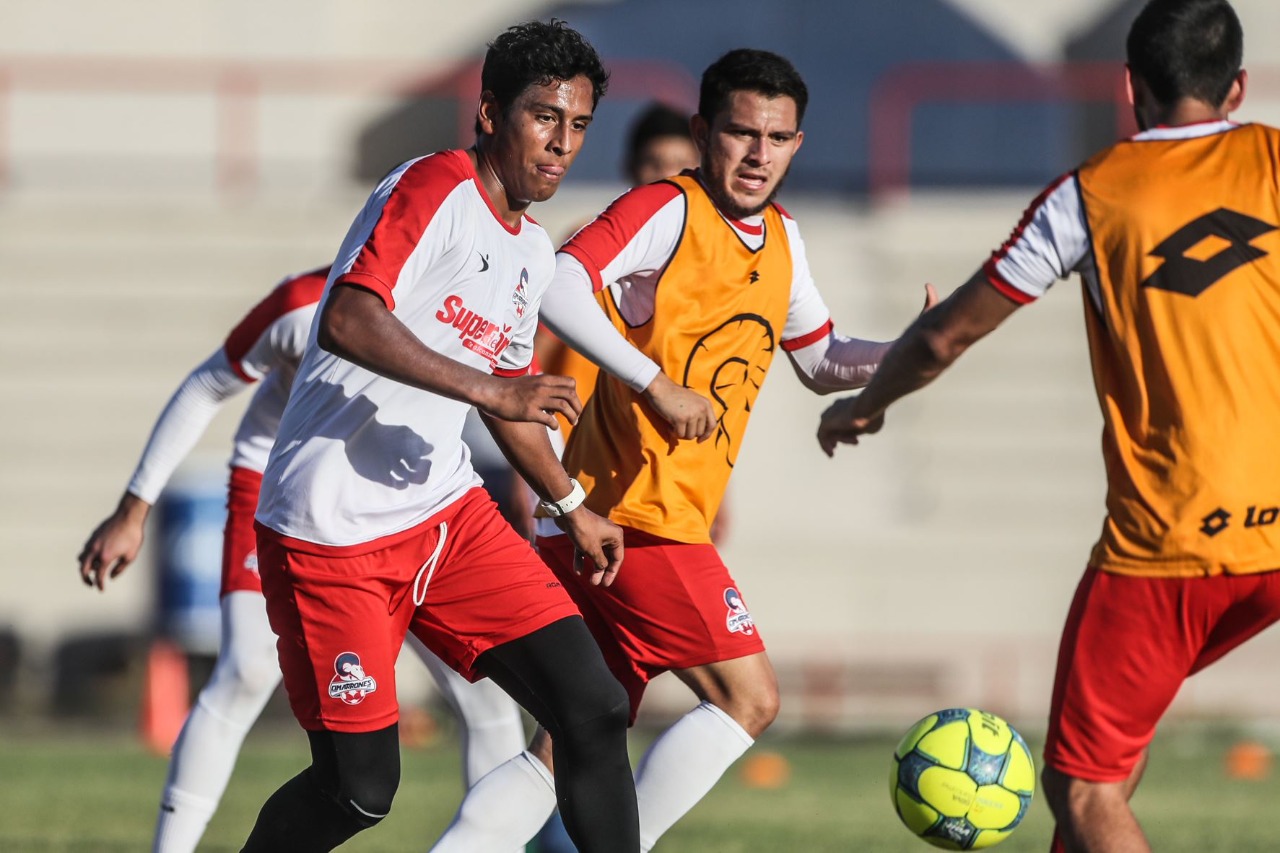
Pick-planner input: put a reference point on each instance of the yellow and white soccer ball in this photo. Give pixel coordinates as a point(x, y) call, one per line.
point(962, 779)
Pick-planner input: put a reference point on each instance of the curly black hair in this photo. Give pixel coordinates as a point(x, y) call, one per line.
point(748, 70)
point(537, 53)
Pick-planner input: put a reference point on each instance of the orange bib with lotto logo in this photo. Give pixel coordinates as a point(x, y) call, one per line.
point(1186, 350)
point(718, 316)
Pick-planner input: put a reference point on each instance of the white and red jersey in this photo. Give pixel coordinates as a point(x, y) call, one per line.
point(265, 346)
point(359, 456)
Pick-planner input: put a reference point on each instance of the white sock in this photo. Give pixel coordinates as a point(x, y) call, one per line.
point(488, 719)
point(503, 810)
point(205, 754)
point(682, 765)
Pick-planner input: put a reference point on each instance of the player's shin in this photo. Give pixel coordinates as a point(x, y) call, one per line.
point(683, 765)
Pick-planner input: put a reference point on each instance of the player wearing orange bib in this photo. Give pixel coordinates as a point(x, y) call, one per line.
point(1175, 235)
point(706, 278)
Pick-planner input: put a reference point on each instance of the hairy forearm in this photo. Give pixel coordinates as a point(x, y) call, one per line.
point(355, 325)
point(528, 449)
point(913, 361)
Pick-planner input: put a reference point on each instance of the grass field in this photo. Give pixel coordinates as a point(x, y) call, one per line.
point(62, 792)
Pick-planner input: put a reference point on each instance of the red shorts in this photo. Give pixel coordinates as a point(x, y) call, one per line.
point(239, 542)
point(341, 613)
point(1128, 645)
point(672, 606)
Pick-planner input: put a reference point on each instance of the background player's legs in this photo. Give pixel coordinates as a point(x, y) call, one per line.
point(489, 723)
point(558, 675)
point(1094, 816)
point(348, 788)
point(243, 679)
point(739, 701)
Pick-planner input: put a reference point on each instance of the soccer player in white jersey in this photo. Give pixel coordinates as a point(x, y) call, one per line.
point(707, 277)
point(371, 523)
point(264, 349)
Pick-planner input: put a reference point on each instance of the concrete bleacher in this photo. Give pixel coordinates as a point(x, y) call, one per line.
point(931, 564)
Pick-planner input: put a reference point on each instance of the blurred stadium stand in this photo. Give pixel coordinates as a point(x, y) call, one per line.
point(157, 178)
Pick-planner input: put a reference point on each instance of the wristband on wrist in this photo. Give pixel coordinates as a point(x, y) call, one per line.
point(567, 504)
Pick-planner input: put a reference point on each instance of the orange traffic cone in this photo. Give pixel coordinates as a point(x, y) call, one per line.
point(165, 693)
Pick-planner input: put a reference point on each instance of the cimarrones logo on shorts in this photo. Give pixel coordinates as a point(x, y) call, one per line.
point(350, 682)
point(738, 620)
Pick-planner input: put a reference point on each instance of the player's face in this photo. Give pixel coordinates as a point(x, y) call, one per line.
point(747, 150)
point(536, 140)
point(662, 157)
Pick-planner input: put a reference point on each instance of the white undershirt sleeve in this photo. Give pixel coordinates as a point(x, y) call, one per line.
point(183, 421)
point(837, 363)
point(569, 310)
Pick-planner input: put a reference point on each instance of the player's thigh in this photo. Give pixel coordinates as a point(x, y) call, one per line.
point(489, 588)
point(1249, 605)
point(1124, 654)
point(341, 622)
point(673, 605)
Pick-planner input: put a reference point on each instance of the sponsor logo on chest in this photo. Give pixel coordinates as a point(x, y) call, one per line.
point(477, 333)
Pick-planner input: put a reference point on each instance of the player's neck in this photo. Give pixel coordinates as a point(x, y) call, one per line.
point(1183, 112)
point(510, 212)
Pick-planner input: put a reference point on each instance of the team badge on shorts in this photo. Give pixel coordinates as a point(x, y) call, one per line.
point(350, 683)
point(251, 562)
point(738, 620)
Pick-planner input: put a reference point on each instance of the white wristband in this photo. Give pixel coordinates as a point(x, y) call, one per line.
point(567, 504)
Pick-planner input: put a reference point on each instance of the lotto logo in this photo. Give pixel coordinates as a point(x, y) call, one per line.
point(1206, 250)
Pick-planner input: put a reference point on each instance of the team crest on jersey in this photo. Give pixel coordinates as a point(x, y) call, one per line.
point(350, 682)
point(520, 299)
point(738, 620)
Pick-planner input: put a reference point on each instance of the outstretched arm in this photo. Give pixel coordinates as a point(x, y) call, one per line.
point(528, 449)
point(929, 346)
point(115, 543)
point(355, 324)
point(837, 363)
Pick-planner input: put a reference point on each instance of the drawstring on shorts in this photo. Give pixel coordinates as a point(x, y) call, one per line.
point(420, 595)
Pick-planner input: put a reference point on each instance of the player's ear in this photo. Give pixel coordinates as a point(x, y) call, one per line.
point(1235, 97)
point(488, 113)
point(1128, 84)
point(701, 132)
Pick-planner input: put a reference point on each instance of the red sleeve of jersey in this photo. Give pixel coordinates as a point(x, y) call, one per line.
point(289, 295)
point(998, 282)
point(1027, 216)
point(510, 372)
point(804, 340)
point(406, 212)
point(604, 238)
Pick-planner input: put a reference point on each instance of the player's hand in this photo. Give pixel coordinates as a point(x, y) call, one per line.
point(114, 544)
point(533, 398)
point(597, 544)
point(842, 423)
point(690, 414)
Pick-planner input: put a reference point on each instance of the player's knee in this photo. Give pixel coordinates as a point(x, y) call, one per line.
point(253, 675)
point(602, 706)
point(367, 796)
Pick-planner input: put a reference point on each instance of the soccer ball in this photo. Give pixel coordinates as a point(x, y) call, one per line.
point(962, 779)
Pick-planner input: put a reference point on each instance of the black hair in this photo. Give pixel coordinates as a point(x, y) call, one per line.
point(535, 54)
point(1186, 49)
point(656, 122)
point(750, 70)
